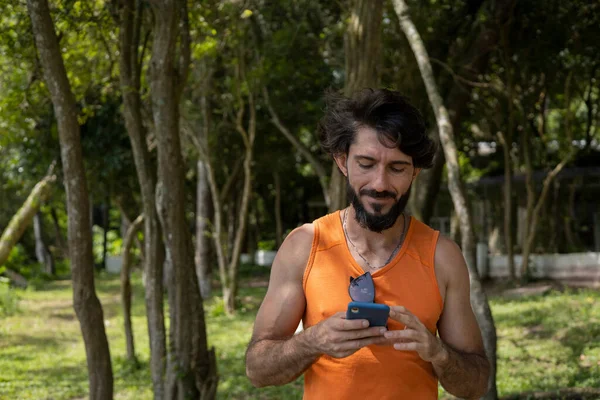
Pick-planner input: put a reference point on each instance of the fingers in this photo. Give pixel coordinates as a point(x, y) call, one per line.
point(404, 334)
point(404, 316)
point(343, 324)
point(349, 347)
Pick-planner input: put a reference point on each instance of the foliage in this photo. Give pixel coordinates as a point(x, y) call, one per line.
point(17, 258)
point(268, 245)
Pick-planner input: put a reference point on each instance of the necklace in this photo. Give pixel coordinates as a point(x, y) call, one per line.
point(358, 252)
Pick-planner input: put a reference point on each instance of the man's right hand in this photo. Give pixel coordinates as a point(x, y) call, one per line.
point(339, 337)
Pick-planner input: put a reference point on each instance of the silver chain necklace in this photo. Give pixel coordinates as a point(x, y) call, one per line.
point(358, 252)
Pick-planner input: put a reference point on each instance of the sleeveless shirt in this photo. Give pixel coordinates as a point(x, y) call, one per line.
point(376, 371)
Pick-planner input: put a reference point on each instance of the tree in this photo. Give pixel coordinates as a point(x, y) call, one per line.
point(132, 231)
point(131, 59)
point(86, 303)
point(23, 217)
point(362, 50)
point(478, 296)
point(191, 370)
point(229, 260)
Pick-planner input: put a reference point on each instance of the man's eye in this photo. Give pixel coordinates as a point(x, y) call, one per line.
point(365, 166)
point(397, 170)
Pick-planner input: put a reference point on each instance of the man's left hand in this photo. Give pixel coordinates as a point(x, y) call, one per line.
point(415, 336)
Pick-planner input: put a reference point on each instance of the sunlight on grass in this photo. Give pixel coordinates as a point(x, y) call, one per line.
point(548, 341)
point(545, 342)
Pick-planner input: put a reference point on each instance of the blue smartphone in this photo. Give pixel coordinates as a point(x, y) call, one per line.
point(376, 314)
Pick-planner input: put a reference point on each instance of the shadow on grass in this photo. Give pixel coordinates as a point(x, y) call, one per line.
point(32, 341)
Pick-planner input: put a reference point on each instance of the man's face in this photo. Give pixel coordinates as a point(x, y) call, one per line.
point(379, 180)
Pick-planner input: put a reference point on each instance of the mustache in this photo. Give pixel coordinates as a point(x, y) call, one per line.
point(376, 194)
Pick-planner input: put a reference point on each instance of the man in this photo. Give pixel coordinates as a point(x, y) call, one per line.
point(379, 143)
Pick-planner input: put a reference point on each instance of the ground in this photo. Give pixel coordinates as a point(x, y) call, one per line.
point(548, 340)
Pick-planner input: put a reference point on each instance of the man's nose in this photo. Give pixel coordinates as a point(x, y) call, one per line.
point(380, 181)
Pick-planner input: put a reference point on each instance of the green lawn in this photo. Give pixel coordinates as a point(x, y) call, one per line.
point(546, 342)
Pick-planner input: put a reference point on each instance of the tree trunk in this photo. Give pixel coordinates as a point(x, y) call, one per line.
point(86, 303)
point(60, 242)
point(132, 230)
point(154, 254)
point(21, 220)
point(532, 226)
point(506, 141)
point(204, 209)
point(203, 262)
point(427, 187)
point(478, 297)
point(192, 366)
point(573, 242)
point(362, 47)
point(248, 136)
point(278, 223)
point(533, 216)
point(105, 228)
point(43, 255)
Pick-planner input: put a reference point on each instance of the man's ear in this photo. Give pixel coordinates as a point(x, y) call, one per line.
point(416, 172)
point(341, 162)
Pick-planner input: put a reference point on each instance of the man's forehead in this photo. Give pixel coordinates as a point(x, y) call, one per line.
point(368, 144)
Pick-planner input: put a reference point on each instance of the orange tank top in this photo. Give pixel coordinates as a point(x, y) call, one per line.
point(373, 372)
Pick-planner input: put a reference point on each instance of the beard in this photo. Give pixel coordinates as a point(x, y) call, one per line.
point(377, 222)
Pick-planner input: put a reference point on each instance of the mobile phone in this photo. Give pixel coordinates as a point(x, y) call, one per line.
point(376, 314)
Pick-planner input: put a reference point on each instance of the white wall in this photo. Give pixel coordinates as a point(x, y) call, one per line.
point(575, 266)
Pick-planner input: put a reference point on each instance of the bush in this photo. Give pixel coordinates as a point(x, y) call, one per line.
point(267, 245)
point(17, 258)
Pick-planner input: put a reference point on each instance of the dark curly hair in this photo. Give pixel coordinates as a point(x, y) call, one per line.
point(388, 112)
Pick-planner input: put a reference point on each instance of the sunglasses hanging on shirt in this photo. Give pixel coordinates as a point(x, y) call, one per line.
point(362, 288)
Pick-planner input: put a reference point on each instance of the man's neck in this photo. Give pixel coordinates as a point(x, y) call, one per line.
point(367, 240)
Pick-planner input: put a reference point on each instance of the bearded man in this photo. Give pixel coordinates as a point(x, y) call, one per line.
point(378, 140)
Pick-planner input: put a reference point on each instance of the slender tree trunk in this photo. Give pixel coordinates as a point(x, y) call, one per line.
point(506, 142)
point(204, 209)
point(248, 136)
point(362, 47)
point(154, 254)
point(478, 297)
point(105, 228)
point(192, 366)
point(532, 226)
point(203, 262)
point(533, 216)
point(86, 303)
point(427, 187)
point(60, 241)
point(571, 215)
point(22, 218)
point(278, 224)
point(42, 253)
point(132, 230)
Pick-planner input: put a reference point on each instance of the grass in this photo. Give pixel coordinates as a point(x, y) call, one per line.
point(545, 342)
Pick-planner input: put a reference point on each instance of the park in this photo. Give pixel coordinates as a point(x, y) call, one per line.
point(156, 155)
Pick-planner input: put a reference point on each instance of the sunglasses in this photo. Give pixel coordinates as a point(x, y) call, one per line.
point(362, 288)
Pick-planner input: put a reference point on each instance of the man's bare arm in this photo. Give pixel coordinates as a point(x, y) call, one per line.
point(463, 374)
point(277, 362)
point(462, 368)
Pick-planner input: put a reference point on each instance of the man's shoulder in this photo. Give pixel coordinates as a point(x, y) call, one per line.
point(295, 250)
point(302, 236)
